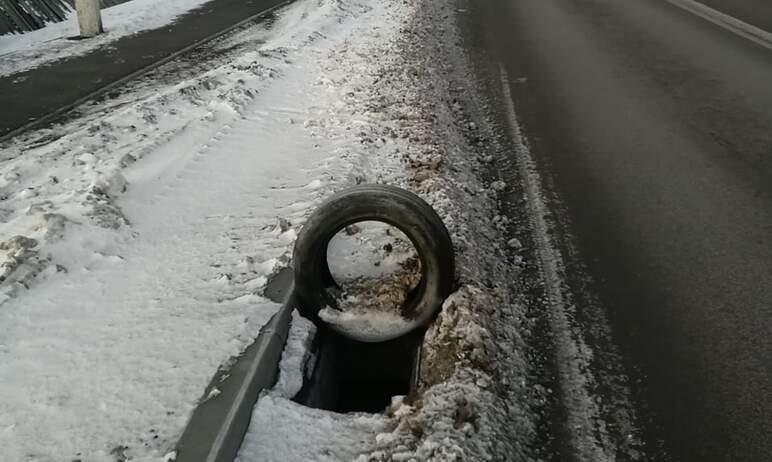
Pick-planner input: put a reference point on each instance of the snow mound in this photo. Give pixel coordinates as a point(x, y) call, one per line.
point(395, 98)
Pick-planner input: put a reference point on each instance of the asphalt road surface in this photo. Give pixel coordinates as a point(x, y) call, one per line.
point(655, 127)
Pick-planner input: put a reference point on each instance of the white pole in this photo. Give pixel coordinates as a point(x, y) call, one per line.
point(89, 17)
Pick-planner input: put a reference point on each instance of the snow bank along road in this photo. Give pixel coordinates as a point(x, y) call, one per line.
point(136, 239)
point(653, 127)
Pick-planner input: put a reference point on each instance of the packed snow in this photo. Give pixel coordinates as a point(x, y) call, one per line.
point(21, 52)
point(294, 357)
point(291, 432)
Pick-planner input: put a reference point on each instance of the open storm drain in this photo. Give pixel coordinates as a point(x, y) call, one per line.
point(372, 267)
point(347, 375)
point(372, 289)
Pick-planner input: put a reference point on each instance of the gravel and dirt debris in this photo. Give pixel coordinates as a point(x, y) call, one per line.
point(386, 293)
point(375, 267)
point(473, 401)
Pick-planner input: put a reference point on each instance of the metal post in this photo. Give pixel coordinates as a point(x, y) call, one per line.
point(89, 17)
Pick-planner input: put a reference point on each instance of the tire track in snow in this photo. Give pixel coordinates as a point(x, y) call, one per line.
point(139, 328)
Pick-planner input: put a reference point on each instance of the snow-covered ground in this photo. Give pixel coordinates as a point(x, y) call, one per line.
point(136, 240)
point(473, 401)
point(20, 52)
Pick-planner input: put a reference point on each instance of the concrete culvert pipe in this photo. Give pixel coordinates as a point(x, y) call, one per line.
point(319, 294)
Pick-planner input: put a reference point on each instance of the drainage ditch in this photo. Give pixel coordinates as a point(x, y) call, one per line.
point(346, 375)
point(353, 366)
point(381, 257)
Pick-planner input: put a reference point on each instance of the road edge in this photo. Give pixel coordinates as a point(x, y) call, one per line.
point(727, 22)
point(217, 426)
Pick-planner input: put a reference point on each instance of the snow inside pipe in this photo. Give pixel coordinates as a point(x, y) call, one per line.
point(363, 310)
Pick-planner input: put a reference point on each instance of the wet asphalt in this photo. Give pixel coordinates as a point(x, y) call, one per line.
point(653, 127)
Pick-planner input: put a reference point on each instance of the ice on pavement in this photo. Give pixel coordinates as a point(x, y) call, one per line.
point(21, 52)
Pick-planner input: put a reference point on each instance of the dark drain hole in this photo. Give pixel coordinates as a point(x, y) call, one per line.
point(346, 375)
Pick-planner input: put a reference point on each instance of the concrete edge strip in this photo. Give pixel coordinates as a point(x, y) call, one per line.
point(262, 374)
point(730, 23)
point(139, 72)
point(229, 427)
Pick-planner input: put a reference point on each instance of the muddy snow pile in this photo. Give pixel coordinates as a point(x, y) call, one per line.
point(137, 239)
point(375, 267)
point(403, 96)
point(472, 402)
